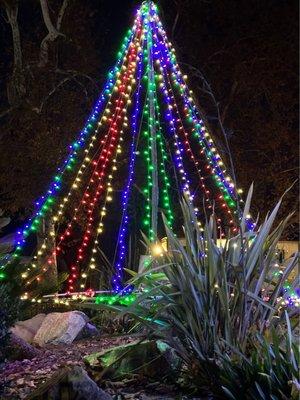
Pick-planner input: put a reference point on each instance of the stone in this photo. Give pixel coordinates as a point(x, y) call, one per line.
point(84, 387)
point(148, 359)
point(70, 383)
point(7, 243)
point(60, 328)
point(19, 349)
point(23, 333)
point(89, 330)
point(27, 329)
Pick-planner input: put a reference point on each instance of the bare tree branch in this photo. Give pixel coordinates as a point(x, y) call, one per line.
point(5, 112)
point(230, 98)
point(16, 88)
point(61, 14)
point(76, 73)
point(53, 32)
point(175, 21)
point(71, 76)
point(209, 91)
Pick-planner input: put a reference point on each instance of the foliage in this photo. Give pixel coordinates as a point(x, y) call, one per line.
point(218, 308)
point(269, 372)
point(50, 284)
point(8, 315)
point(12, 277)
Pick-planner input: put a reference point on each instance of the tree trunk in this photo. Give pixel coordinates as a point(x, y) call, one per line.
point(53, 32)
point(16, 88)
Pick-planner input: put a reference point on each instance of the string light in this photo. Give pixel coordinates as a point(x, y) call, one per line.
point(122, 234)
point(200, 130)
point(45, 202)
point(146, 69)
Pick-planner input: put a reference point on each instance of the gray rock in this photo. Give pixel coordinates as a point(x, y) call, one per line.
point(27, 329)
point(19, 349)
point(7, 243)
point(84, 387)
point(69, 383)
point(89, 330)
point(149, 358)
point(60, 328)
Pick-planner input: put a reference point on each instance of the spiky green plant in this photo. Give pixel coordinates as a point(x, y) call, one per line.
point(211, 307)
point(269, 372)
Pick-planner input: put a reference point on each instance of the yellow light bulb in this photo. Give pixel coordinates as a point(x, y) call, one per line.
point(157, 250)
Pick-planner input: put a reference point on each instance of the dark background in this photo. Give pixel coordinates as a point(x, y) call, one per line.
point(242, 62)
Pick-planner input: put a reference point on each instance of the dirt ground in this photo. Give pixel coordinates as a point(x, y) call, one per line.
point(18, 379)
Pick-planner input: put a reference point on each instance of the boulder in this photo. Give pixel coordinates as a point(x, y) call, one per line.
point(7, 243)
point(89, 330)
point(69, 383)
point(27, 329)
point(19, 349)
point(84, 387)
point(60, 328)
point(148, 359)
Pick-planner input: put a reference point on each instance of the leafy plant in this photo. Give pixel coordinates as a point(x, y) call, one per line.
point(268, 373)
point(8, 315)
point(219, 308)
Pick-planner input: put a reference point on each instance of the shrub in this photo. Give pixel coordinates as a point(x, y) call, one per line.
point(8, 315)
point(219, 309)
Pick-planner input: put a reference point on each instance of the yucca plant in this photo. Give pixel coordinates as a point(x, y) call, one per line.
point(268, 373)
point(218, 307)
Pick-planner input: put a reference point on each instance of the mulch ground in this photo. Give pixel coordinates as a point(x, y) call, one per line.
point(18, 379)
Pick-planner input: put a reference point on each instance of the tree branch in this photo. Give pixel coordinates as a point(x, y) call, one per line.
point(5, 112)
point(61, 14)
point(71, 75)
point(45, 11)
point(61, 83)
point(16, 88)
point(175, 21)
point(53, 32)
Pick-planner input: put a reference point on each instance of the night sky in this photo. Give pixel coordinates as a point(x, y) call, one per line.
point(246, 50)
